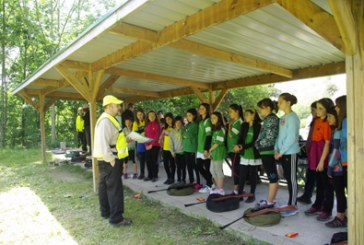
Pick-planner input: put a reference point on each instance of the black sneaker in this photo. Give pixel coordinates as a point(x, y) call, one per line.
point(165, 182)
point(304, 200)
point(250, 199)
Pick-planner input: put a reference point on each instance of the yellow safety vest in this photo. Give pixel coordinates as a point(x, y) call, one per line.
point(79, 124)
point(121, 143)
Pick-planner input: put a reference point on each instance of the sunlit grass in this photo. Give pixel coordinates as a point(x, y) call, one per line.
point(67, 193)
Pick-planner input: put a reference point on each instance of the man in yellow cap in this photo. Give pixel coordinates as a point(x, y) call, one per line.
point(110, 148)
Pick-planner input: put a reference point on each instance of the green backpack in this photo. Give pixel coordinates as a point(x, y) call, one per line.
point(267, 219)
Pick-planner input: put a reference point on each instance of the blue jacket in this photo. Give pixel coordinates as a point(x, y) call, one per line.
point(344, 141)
point(288, 136)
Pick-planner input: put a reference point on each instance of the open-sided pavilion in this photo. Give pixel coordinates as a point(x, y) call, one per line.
point(155, 49)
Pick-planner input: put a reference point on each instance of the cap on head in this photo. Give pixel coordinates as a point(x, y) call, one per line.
point(109, 99)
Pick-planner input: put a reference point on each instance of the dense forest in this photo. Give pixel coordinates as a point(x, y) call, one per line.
point(35, 30)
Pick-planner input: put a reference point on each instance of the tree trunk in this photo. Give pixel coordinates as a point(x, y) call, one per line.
point(3, 92)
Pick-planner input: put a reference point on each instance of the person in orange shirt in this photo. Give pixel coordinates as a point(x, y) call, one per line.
point(318, 161)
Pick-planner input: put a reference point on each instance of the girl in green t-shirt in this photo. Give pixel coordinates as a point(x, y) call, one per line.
point(250, 158)
point(235, 114)
point(217, 152)
point(203, 146)
point(189, 144)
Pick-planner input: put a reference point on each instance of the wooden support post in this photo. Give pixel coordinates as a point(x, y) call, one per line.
point(211, 100)
point(95, 166)
point(355, 113)
point(42, 128)
point(349, 16)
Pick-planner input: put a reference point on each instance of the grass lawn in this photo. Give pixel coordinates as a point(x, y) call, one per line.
point(56, 205)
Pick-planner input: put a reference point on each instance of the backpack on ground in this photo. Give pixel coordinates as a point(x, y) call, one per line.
point(219, 206)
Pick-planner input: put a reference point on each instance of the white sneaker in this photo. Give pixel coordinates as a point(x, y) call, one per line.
point(220, 191)
point(205, 189)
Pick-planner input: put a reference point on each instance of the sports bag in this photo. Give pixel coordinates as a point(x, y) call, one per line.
point(219, 206)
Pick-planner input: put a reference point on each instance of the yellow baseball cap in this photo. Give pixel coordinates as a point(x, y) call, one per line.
point(109, 99)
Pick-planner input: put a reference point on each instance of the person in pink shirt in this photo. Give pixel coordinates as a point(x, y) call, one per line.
point(153, 131)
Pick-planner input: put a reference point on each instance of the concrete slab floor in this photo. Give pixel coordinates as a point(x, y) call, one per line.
point(310, 230)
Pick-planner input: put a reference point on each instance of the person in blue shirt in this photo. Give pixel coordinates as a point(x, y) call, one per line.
point(286, 146)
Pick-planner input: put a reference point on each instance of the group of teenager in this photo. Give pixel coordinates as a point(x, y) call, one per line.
point(252, 138)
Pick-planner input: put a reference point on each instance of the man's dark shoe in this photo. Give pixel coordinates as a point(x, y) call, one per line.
point(304, 200)
point(147, 179)
point(105, 216)
point(154, 179)
point(124, 222)
point(166, 182)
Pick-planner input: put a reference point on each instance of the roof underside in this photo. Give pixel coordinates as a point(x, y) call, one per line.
point(135, 61)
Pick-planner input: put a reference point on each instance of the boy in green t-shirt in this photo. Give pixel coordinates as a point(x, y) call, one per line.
point(217, 152)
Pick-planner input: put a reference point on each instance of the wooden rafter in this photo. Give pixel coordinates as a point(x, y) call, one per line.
point(316, 18)
point(257, 64)
point(210, 16)
point(156, 77)
point(135, 32)
point(137, 92)
point(74, 81)
point(345, 22)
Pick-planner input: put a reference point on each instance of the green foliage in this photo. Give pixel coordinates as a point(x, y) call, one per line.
point(32, 32)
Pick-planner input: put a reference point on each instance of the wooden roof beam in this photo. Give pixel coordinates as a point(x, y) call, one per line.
point(215, 14)
point(134, 92)
point(310, 72)
point(156, 77)
point(66, 96)
point(257, 64)
point(47, 82)
point(316, 18)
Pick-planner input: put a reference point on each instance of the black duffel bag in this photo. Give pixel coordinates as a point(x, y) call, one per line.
point(219, 206)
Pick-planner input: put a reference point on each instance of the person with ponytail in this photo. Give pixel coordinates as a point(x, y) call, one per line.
point(340, 182)
point(287, 146)
point(203, 146)
point(265, 145)
point(235, 114)
point(318, 161)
